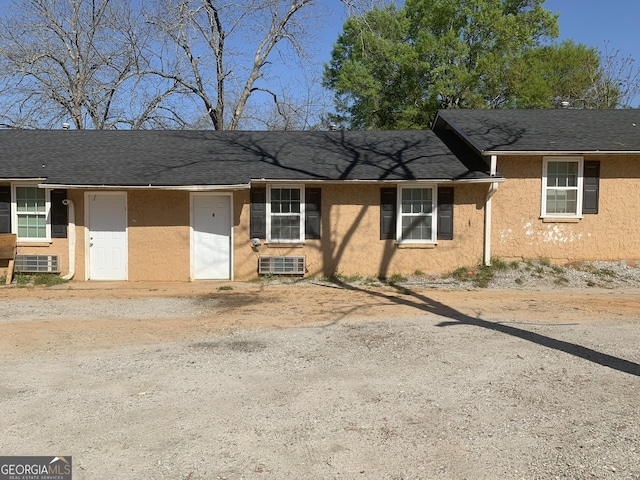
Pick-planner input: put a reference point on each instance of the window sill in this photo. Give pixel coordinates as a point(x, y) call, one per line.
point(427, 246)
point(561, 219)
point(39, 243)
point(284, 245)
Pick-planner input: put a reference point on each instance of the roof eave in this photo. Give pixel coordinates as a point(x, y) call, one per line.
point(486, 179)
point(22, 179)
point(241, 186)
point(488, 153)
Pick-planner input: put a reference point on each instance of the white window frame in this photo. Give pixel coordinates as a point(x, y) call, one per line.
point(300, 238)
point(578, 187)
point(15, 214)
point(433, 214)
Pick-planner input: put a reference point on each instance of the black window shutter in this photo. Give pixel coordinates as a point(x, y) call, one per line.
point(59, 214)
point(5, 209)
point(445, 213)
point(388, 199)
point(258, 213)
point(312, 213)
point(591, 186)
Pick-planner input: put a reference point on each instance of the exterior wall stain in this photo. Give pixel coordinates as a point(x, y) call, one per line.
point(611, 234)
point(548, 233)
point(159, 230)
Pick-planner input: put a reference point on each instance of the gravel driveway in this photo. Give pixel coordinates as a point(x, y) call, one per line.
point(318, 383)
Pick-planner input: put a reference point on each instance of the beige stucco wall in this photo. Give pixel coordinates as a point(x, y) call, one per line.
point(351, 245)
point(58, 246)
point(158, 236)
point(612, 234)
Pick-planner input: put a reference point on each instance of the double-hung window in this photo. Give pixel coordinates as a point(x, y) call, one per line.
point(30, 213)
point(562, 187)
point(285, 214)
point(416, 214)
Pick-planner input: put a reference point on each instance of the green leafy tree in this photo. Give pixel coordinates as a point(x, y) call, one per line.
point(394, 68)
point(549, 75)
point(372, 70)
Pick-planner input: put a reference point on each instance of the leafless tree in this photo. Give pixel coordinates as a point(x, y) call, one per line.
point(106, 64)
point(300, 106)
point(220, 52)
point(615, 82)
point(79, 61)
point(226, 53)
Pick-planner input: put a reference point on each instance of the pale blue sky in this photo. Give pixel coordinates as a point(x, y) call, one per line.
point(594, 22)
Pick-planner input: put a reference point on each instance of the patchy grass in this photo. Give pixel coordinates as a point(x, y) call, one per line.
point(533, 269)
point(225, 288)
point(604, 272)
point(340, 278)
point(462, 274)
point(396, 277)
point(40, 279)
point(544, 261)
point(480, 276)
point(498, 264)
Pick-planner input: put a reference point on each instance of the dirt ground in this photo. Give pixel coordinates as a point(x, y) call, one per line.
point(195, 381)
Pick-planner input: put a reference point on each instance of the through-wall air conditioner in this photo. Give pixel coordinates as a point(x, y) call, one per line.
point(280, 265)
point(37, 264)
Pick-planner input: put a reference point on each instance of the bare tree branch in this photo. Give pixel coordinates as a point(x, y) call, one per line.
point(76, 60)
point(226, 52)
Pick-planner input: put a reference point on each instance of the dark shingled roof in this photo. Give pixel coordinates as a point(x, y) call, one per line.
point(560, 130)
point(177, 158)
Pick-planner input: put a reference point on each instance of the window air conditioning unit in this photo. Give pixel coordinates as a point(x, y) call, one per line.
point(278, 265)
point(37, 264)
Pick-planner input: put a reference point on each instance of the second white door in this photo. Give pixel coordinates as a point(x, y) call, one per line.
point(211, 236)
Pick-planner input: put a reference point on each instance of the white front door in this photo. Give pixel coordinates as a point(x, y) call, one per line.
point(211, 236)
point(107, 246)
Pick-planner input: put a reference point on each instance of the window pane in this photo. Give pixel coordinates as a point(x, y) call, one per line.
point(416, 228)
point(32, 226)
point(30, 199)
point(562, 201)
point(285, 200)
point(285, 227)
point(562, 174)
point(417, 200)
